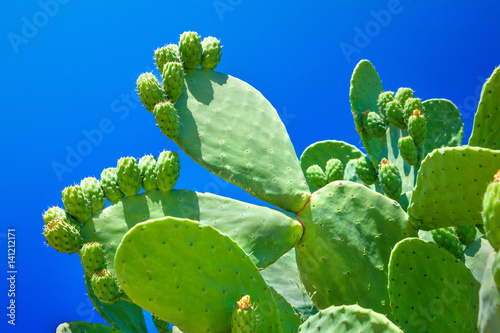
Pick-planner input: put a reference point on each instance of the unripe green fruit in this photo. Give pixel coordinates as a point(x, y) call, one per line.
point(384, 98)
point(105, 286)
point(243, 319)
point(411, 105)
point(109, 182)
point(408, 150)
point(167, 119)
point(403, 94)
point(62, 236)
point(395, 114)
point(447, 238)
point(316, 176)
point(466, 234)
point(491, 212)
point(173, 80)
point(93, 190)
point(168, 170)
point(128, 176)
point(211, 53)
point(150, 91)
point(366, 171)
point(390, 179)
point(190, 50)
point(148, 170)
point(373, 124)
point(168, 53)
point(54, 213)
point(92, 257)
point(417, 128)
point(76, 203)
point(334, 170)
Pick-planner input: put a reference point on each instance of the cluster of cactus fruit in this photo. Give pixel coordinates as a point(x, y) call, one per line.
point(388, 241)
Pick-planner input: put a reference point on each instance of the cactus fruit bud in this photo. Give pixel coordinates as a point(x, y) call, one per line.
point(62, 236)
point(167, 119)
point(334, 170)
point(190, 50)
point(365, 171)
point(211, 53)
point(168, 170)
point(128, 176)
point(110, 186)
point(150, 91)
point(408, 150)
point(148, 171)
point(390, 179)
point(93, 190)
point(76, 203)
point(316, 176)
point(417, 128)
point(403, 94)
point(374, 124)
point(395, 114)
point(491, 212)
point(168, 53)
point(173, 80)
point(243, 319)
point(105, 286)
point(92, 257)
point(411, 105)
point(384, 98)
point(466, 234)
point(162, 326)
point(448, 239)
point(54, 213)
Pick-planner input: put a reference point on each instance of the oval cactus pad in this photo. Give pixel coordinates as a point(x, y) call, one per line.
point(196, 291)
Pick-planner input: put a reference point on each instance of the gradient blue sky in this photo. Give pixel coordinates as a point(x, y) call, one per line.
point(69, 69)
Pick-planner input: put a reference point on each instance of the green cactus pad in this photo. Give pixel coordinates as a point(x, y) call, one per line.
point(448, 239)
point(168, 169)
point(322, 151)
point(395, 114)
point(466, 233)
point(290, 320)
point(417, 128)
point(450, 187)
point(491, 212)
point(123, 315)
point(173, 80)
point(178, 289)
point(110, 186)
point(411, 105)
point(92, 257)
point(365, 170)
point(128, 176)
point(264, 233)
point(429, 289)
point(444, 125)
point(105, 286)
point(211, 53)
point(489, 298)
point(93, 191)
point(167, 53)
point(390, 179)
point(167, 119)
point(76, 203)
point(83, 327)
point(190, 50)
point(334, 170)
point(383, 99)
point(162, 326)
point(408, 150)
point(316, 176)
point(347, 319)
point(403, 94)
point(374, 124)
point(150, 91)
point(487, 119)
point(475, 257)
point(232, 130)
point(148, 171)
point(62, 236)
point(344, 253)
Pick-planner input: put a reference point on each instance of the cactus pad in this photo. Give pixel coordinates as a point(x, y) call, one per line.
point(211, 53)
point(178, 289)
point(491, 212)
point(489, 298)
point(83, 326)
point(109, 182)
